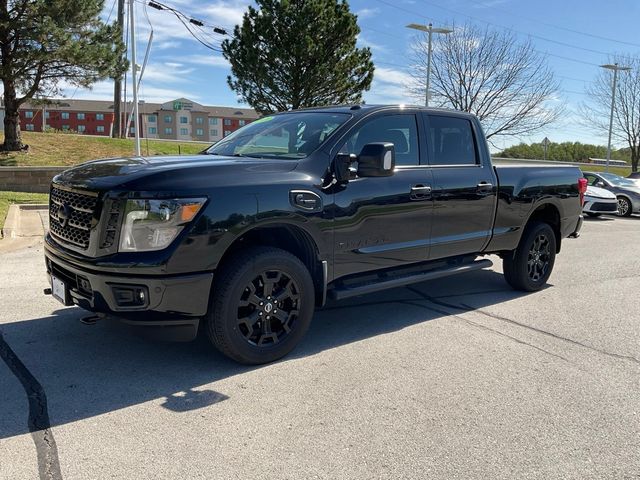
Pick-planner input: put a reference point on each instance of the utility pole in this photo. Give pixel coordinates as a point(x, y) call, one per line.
point(134, 77)
point(117, 85)
point(615, 69)
point(430, 31)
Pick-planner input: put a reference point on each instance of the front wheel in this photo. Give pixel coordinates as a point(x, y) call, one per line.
point(624, 207)
point(262, 304)
point(529, 266)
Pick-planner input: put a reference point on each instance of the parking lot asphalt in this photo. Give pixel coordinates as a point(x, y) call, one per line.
point(456, 378)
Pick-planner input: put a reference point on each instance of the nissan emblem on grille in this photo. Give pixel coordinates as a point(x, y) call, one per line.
point(64, 212)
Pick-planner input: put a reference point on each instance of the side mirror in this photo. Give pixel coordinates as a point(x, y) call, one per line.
point(377, 160)
point(600, 184)
point(341, 166)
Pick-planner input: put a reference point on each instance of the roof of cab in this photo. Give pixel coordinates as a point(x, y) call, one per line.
point(362, 109)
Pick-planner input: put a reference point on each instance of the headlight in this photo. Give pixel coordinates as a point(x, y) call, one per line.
point(154, 224)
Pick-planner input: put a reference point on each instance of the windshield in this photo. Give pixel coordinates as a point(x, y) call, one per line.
point(288, 136)
point(617, 179)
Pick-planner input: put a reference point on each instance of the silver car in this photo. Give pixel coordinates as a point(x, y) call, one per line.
point(626, 190)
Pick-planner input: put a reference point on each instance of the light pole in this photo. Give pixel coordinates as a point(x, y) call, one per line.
point(134, 78)
point(430, 31)
point(615, 67)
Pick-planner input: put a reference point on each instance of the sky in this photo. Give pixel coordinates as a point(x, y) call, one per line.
point(574, 35)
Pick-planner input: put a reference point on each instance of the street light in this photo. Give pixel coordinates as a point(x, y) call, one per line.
point(430, 31)
point(615, 67)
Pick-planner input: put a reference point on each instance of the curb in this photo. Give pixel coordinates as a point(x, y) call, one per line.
point(13, 225)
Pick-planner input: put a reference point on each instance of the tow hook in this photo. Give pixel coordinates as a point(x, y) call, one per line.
point(92, 319)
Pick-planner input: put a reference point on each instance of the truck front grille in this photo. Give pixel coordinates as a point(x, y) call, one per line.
point(71, 214)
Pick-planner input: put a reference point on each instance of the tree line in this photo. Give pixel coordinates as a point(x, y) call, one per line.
point(564, 151)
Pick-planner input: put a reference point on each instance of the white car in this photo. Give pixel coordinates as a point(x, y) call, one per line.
point(598, 201)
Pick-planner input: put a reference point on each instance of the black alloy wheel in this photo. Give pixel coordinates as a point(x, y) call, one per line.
point(529, 266)
point(262, 303)
point(268, 308)
point(539, 256)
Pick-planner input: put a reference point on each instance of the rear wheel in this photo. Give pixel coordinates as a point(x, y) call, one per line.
point(529, 266)
point(262, 304)
point(624, 207)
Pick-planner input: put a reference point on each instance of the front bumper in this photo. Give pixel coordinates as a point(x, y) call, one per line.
point(600, 205)
point(169, 301)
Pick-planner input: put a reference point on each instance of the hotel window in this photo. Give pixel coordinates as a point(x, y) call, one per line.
point(133, 130)
point(184, 131)
point(30, 127)
point(28, 114)
point(81, 128)
point(100, 129)
point(46, 115)
point(199, 132)
point(227, 132)
point(167, 119)
point(227, 121)
point(64, 115)
point(213, 132)
point(80, 116)
point(184, 120)
point(100, 116)
point(168, 131)
point(153, 130)
point(242, 122)
point(199, 120)
point(151, 119)
point(213, 121)
point(65, 128)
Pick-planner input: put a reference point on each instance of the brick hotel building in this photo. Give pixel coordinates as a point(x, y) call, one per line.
point(180, 119)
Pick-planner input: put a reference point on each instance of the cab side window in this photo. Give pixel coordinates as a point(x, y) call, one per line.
point(451, 141)
point(401, 130)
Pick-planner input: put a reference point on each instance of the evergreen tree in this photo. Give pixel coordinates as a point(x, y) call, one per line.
point(44, 42)
point(290, 54)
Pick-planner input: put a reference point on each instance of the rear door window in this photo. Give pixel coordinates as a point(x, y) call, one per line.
point(451, 141)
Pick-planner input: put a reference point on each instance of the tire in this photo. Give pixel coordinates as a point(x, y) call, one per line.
point(592, 214)
point(523, 270)
point(624, 207)
point(243, 298)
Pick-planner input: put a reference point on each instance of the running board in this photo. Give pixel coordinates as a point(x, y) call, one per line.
point(340, 293)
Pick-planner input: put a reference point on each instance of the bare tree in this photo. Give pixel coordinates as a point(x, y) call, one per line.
point(595, 112)
point(504, 82)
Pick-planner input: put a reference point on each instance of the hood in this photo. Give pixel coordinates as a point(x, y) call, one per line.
point(598, 192)
point(172, 172)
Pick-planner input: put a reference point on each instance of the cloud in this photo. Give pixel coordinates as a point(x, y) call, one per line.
point(207, 60)
point(226, 13)
point(390, 86)
point(367, 12)
point(104, 91)
point(376, 47)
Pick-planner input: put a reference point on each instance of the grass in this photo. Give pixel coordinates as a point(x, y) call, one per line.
point(7, 198)
point(623, 172)
point(61, 149)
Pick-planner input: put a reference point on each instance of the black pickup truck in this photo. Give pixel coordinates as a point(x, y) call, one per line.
point(245, 240)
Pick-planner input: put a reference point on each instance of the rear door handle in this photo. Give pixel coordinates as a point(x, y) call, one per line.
point(485, 187)
point(420, 192)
